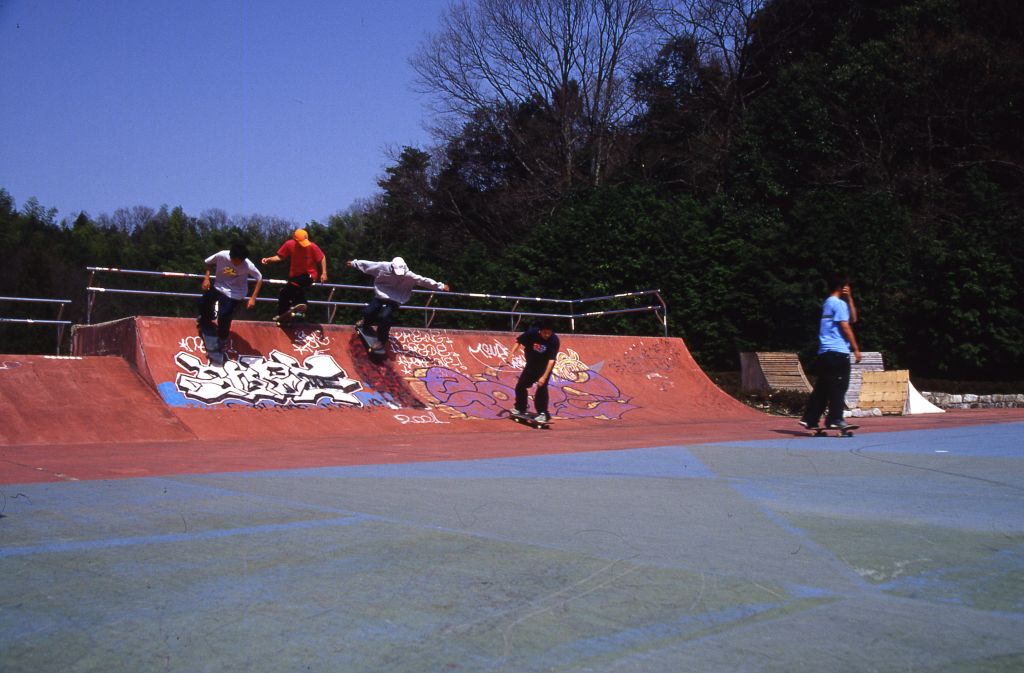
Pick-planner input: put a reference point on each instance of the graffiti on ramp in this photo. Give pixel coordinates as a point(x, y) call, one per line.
point(253, 380)
point(575, 390)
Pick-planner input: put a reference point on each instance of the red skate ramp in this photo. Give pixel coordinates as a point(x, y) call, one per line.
point(317, 381)
point(58, 400)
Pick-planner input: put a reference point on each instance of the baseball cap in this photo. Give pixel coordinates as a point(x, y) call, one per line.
point(301, 237)
point(399, 266)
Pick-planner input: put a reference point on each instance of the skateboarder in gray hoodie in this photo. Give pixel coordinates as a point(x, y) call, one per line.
point(393, 284)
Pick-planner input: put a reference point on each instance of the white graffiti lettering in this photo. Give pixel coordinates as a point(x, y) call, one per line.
point(493, 350)
point(310, 342)
point(428, 417)
point(195, 344)
point(495, 355)
point(192, 344)
point(278, 379)
point(424, 349)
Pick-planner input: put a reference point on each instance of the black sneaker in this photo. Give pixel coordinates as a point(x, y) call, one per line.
point(807, 426)
point(841, 425)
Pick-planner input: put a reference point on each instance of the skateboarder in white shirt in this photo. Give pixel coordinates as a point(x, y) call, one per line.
point(228, 287)
point(393, 284)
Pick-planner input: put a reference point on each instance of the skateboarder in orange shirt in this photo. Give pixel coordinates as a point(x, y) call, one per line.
point(307, 264)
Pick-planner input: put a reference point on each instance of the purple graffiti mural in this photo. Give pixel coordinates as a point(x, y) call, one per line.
point(491, 395)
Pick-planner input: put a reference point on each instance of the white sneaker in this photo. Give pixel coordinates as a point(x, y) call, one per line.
point(542, 418)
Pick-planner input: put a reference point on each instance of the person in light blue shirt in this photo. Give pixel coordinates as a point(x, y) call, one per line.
point(836, 341)
point(393, 284)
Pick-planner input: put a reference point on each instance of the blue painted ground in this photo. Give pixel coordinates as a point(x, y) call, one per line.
point(882, 552)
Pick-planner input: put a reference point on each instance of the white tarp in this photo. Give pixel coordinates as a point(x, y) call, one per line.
point(917, 404)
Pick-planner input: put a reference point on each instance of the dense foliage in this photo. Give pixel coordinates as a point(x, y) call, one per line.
point(879, 138)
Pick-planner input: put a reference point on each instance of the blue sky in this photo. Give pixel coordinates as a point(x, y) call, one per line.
point(285, 109)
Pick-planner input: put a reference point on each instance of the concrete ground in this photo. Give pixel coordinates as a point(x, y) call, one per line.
point(890, 551)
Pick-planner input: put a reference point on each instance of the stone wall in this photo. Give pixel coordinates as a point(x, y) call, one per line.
point(969, 401)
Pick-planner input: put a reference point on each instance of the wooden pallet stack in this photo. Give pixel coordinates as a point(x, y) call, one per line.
point(767, 371)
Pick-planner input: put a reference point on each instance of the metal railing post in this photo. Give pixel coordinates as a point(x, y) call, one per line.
point(428, 319)
point(60, 323)
point(333, 309)
point(60, 327)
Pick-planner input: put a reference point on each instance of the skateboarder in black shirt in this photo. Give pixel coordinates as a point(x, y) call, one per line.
point(540, 348)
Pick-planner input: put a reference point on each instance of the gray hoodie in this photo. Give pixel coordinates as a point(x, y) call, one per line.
point(389, 285)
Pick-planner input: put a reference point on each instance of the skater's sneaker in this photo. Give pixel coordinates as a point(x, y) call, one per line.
point(516, 413)
point(542, 418)
point(841, 425)
point(808, 426)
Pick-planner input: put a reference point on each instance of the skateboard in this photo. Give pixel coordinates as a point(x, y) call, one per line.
point(374, 345)
point(529, 420)
point(214, 349)
point(297, 312)
point(845, 432)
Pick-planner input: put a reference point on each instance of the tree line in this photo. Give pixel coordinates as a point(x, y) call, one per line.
point(730, 153)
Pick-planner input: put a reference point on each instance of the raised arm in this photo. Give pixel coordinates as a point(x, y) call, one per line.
point(848, 333)
point(423, 281)
point(847, 296)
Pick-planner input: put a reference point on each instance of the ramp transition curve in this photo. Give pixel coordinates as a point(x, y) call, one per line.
point(61, 400)
point(317, 380)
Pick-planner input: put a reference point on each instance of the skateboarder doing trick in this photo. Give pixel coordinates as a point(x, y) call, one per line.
point(540, 346)
point(232, 270)
point(836, 340)
point(307, 264)
point(393, 284)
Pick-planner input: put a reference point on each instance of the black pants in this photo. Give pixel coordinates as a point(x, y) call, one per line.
point(225, 309)
point(294, 293)
point(833, 370)
point(531, 374)
point(380, 312)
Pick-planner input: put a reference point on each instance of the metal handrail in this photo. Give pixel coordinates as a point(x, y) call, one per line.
point(660, 311)
point(343, 286)
point(35, 300)
point(33, 321)
point(621, 295)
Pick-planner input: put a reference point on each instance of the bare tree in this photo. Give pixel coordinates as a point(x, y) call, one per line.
point(571, 58)
point(724, 32)
point(721, 29)
point(128, 220)
point(214, 218)
point(724, 36)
